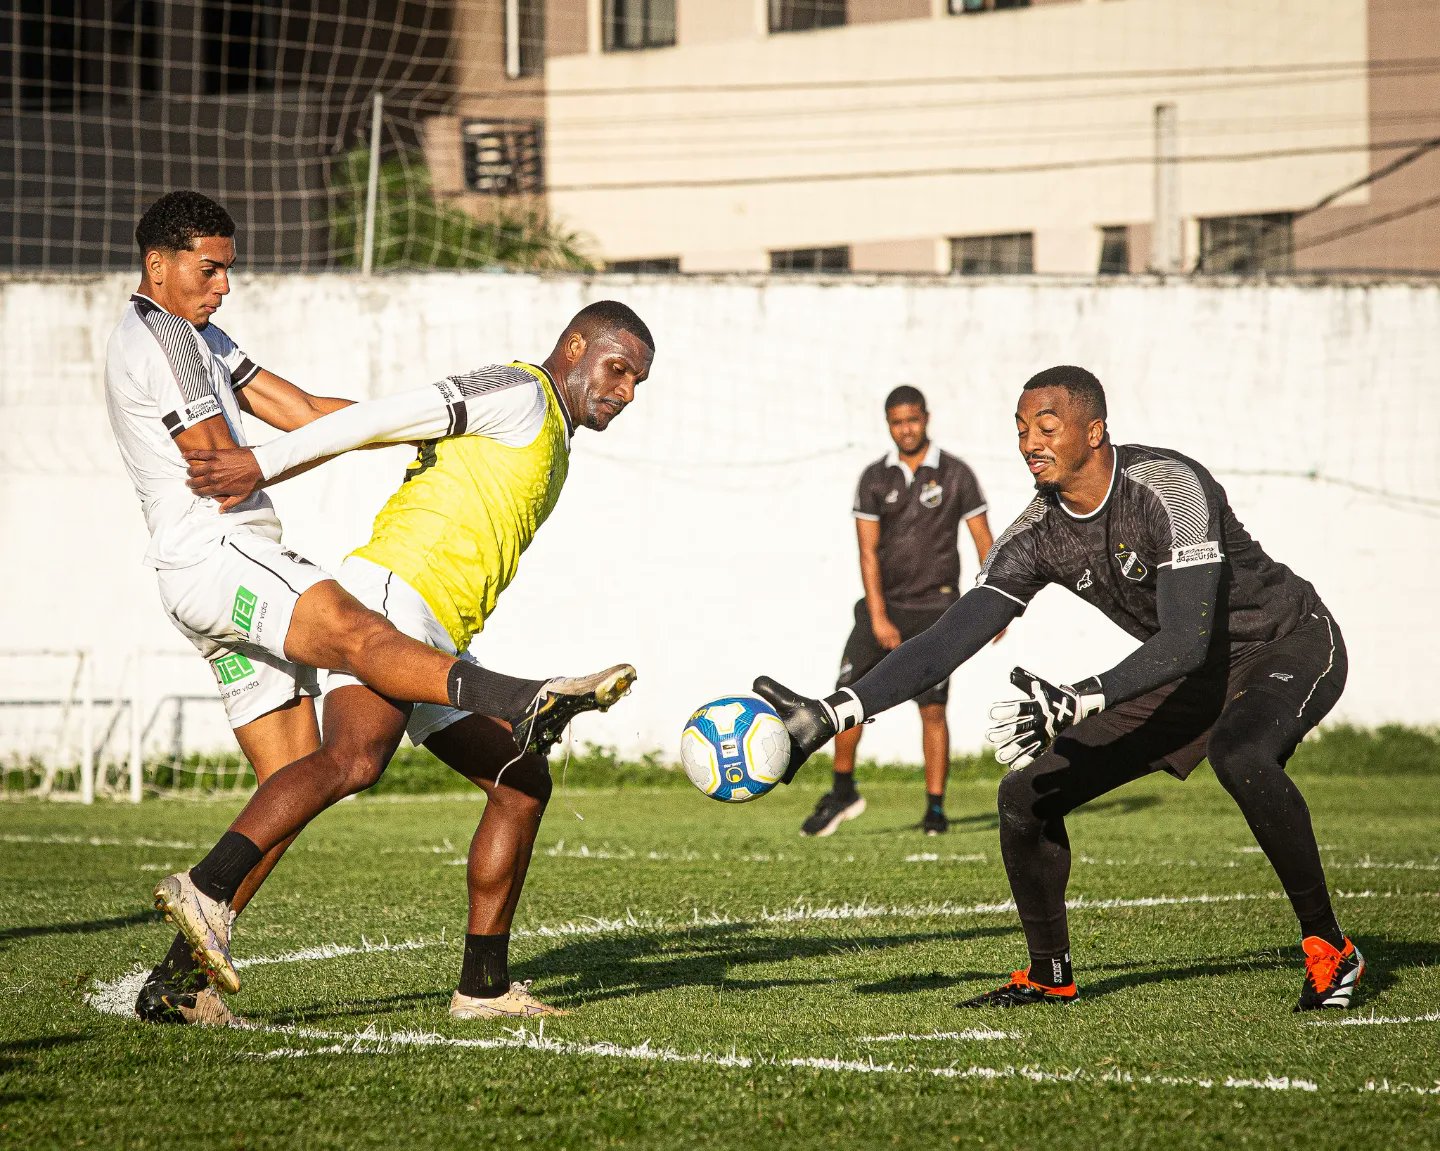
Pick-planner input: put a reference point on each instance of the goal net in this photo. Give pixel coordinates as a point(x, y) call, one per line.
point(275, 108)
point(70, 731)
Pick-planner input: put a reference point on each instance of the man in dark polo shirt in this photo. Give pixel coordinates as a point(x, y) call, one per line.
point(909, 506)
point(1238, 659)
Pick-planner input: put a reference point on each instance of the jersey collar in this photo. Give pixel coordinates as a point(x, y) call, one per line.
point(559, 399)
point(1110, 491)
point(931, 460)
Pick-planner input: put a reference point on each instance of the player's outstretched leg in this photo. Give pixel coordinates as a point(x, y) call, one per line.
point(542, 724)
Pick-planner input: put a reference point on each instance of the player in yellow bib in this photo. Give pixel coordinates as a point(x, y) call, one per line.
point(493, 455)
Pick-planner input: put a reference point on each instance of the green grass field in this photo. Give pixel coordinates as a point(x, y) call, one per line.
point(733, 985)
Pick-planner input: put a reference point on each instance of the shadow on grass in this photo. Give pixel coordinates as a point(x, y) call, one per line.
point(86, 927)
point(705, 956)
point(310, 1012)
point(17, 1056)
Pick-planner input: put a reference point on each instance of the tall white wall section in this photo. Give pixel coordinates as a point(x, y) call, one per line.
point(706, 537)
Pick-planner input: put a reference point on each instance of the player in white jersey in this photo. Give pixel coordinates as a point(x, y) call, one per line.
point(262, 615)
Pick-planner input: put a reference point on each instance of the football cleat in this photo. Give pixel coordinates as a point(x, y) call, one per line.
point(934, 822)
point(565, 697)
point(1331, 976)
point(517, 1003)
point(831, 812)
point(165, 1001)
point(205, 924)
point(1022, 991)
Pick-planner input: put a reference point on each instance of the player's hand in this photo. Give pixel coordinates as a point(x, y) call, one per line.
point(1023, 728)
point(229, 475)
point(809, 726)
point(887, 635)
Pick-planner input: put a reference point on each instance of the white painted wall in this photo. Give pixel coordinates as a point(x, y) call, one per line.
point(706, 536)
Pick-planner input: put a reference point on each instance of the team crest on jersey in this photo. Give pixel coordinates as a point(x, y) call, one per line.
point(1132, 567)
point(931, 493)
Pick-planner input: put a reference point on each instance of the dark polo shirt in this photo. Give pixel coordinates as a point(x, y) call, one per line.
point(919, 517)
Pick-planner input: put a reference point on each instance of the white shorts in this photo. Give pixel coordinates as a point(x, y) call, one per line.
point(235, 606)
point(381, 590)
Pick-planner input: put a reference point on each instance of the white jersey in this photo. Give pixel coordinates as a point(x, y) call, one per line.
point(163, 375)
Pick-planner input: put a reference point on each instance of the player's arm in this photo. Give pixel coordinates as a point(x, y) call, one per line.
point(867, 534)
point(979, 525)
point(281, 404)
point(917, 664)
point(418, 414)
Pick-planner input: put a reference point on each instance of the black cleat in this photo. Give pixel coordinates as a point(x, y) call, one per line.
point(831, 812)
point(1022, 991)
point(562, 699)
point(176, 1001)
point(934, 822)
point(805, 719)
point(1331, 976)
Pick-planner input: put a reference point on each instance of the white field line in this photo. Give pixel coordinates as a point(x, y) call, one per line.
point(1376, 1020)
point(97, 841)
point(375, 1042)
point(1385, 1087)
point(939, 1036)
point(934, 857)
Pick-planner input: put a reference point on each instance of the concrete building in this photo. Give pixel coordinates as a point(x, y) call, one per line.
point(969, 136)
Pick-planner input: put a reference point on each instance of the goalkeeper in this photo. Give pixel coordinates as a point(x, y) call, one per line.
point(1239, 660)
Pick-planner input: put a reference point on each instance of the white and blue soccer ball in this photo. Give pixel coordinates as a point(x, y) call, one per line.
point(735, 748)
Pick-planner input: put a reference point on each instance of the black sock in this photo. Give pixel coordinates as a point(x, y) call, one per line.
point(1317, 915)
point(485, 970)
point(481, 691)
point(936, 803)
point(1051, 970)
point(179, 966)
point(220, 874)
point(844, 784)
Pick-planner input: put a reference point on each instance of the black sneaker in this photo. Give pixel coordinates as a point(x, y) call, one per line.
point(1331, 976)
point(934, 822)
point(176, 1001)
point(561, 700)
point(831, 812)
point(1022, 991)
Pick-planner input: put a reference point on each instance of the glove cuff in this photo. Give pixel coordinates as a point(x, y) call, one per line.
point(1089, 697)
point(844, 709)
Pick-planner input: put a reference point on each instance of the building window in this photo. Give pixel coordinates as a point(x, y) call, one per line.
point(964, 7)
point(503, 157)
point(524, 38)
point(1008, 255)
point(651, 266)
point(1115, 251)
point(1241, 245)
point(634, 24)
point(811, 260)
point(804, 15)
point(240, 38)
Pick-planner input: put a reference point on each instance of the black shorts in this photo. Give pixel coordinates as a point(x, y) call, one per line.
point(863, 652)
point(1299, 677)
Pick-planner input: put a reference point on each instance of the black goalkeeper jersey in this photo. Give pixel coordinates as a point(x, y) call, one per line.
point(1163, 510)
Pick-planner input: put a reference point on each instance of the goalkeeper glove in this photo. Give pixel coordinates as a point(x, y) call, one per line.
point(1023, 728)
point(812, 723)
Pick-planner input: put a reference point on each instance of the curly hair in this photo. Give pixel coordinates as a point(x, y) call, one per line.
point(177, 219)
point(1082, 386)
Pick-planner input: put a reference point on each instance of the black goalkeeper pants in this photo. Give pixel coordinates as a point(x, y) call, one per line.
point(1247, 715)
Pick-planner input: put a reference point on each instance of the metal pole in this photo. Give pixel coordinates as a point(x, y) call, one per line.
point(512, 38)
point(137, 727)
point(1165, 239)
point(87, 726)
point(372, 191)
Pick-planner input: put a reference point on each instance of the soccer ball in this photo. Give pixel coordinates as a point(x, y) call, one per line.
point(735, 748)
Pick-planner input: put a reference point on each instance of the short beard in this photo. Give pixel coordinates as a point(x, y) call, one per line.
point(1047, 488)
